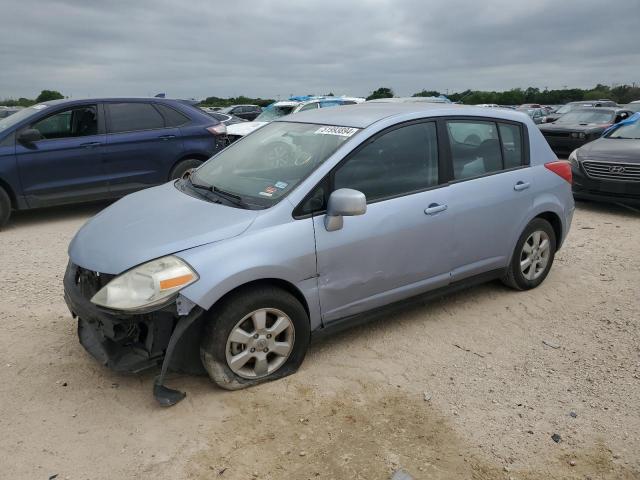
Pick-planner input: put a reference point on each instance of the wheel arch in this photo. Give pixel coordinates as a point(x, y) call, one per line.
point(276, 282)
point(554, 219)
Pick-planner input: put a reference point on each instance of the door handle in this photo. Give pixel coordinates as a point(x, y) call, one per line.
point(167, 137)
point(435, 208)
point(90, 144)
point(518, 187)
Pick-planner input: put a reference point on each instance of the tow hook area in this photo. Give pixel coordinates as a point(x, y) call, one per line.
point(165, 396)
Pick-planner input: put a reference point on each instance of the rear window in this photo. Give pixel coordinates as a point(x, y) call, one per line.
point(172, 118)
point(131, 117)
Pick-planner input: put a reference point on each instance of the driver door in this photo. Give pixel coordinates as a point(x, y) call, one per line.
point(400, 246)
point(66, 164)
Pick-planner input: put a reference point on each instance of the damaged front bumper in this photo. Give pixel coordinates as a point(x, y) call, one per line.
point(131, 343)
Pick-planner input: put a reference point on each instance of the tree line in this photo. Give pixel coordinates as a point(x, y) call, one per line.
point(516, 96)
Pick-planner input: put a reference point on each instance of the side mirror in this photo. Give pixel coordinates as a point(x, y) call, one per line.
point(29, 135)
point(344, 202)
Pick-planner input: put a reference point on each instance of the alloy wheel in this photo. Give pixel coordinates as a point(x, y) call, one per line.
point(260, 343)
point(535, 255)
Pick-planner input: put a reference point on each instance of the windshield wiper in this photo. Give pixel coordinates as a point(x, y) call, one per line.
point(228, 196)
point(231, 197)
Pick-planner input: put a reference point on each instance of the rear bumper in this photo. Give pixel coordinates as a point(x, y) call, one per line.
point(121, 342)
point(588, 188)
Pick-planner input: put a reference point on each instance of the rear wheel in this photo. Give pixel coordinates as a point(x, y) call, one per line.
point(5, 207)
point(255, 335)
point(182, 166)
point(532, 257)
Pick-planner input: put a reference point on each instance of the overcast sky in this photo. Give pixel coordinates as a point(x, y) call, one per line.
point(191, 48)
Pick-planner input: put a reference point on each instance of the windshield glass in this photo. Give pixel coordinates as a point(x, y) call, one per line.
point(274, 111)
point(266, 165)
point(17, 117)
point(587, 116)
point(627, 131)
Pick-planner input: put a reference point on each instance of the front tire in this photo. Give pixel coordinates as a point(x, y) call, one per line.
point(532, 257)
point(5, 207)
point(256, 335)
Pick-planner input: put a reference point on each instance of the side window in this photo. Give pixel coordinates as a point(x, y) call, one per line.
point(130, 117)
point(172, 118)
point(311, 106)
point(75, 122)
point(512, 150)
point(475, 148)
point(402, 161)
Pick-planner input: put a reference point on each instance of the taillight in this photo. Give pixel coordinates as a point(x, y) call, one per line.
point(219, 129)
point(562, 168)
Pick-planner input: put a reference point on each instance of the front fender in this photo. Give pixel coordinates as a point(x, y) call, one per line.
point(284, 252)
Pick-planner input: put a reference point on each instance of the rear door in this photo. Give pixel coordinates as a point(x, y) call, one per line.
point(66, 164)
point(490, 192)
point(142, 147)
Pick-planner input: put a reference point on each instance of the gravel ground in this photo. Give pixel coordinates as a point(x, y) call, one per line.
point(470, 386)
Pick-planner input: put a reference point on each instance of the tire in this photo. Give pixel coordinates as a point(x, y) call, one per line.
point(182, 166)
point(5, 207)
point(235, 319)
point(521, 276)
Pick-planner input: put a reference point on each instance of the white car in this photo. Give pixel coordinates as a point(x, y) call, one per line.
point(287, 107)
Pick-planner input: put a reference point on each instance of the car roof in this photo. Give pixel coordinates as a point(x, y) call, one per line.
point(364, 114)
point(71, 101)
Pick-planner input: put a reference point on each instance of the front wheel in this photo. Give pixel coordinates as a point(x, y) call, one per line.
point(532, 257)
point(254, 336)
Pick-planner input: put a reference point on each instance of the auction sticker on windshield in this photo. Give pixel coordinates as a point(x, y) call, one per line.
point(340, 131)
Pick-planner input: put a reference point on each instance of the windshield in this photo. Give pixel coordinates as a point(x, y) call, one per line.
point(627, 131)
point(587, 116)
point(17, 117)
point(266, 165)
point(274, 111)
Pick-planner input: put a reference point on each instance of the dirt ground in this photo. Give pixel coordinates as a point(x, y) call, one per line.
point(470, 386)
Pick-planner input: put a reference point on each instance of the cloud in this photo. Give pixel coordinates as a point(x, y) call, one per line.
point(274, 48)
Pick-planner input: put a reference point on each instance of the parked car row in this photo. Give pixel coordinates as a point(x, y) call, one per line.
point(287, 107)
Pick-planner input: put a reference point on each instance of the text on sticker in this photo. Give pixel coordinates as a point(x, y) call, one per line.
point(341, 131)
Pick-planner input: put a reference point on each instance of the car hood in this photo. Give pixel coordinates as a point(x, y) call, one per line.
point(150, 224)
point(244, 128)
point(570, 127)
point(612, 150)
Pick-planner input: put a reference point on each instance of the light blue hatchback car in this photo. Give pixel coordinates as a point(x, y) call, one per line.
point(307, 224)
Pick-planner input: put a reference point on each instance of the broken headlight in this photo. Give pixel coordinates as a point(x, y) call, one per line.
point(146, 285)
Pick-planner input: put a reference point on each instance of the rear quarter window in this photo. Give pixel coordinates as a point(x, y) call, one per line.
point(172, 118)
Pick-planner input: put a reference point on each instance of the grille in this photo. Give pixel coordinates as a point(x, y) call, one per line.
point(557, 134)
point(623, 172)
point(90, 282)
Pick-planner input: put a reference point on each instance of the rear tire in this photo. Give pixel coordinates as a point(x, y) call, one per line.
point(533, 256)
point(238, 352)
point(182, 166)
point(5, 207)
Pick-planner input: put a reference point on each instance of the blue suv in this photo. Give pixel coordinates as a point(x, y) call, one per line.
point(69, 151)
